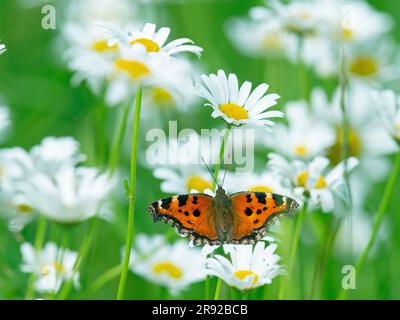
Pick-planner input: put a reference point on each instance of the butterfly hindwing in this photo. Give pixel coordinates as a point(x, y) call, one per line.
point(256, 211)
point(190, 214)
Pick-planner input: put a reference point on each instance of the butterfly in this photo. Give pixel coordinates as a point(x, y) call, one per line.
point(240, 218)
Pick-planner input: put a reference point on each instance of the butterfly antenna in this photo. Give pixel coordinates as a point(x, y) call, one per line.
point(215, 180)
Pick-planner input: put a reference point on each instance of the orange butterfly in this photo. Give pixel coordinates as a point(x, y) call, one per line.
point(240, 218)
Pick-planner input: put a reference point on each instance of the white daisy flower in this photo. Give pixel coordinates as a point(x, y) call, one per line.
point(236, 105)
point(313, 180)
point(155, 41)
point(369, 141)
point(175, 266)
point(265, 38)
point(264, 182)
point(2, 48)
point(353, 21)
point(248, 267)
point(387, 105)
point(374, 61)
point(51, 265)
point(72, 195)
point(55, 152)
point(305, 136)
point(184, 180)
point(15, 168)
point(300, 17)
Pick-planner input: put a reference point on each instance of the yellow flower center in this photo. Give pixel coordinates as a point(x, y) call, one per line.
point(272, 41)
point(242, 274)
point(321, 183)
point(197, 183)
point(261, 189)
point(168, 268)
point(300, 150)
point(150, 45)
point(364, 66)
point(102, 46)
point(162, 96)
point(234, 111)
point(302, 178)
point(24, 208)
point(134, 68)
point(354, 144)
point(347, 33)
point(58, 267)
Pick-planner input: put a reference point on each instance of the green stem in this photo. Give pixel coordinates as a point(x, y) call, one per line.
point(39, 241)
point(245, 295)
point(216, 172)
point(221, 154)
point(303, 77)
point(86, 242)
point(117, 141)
point(293, 251)
point(218, 289)
point(105, 277)
point(378, 220)
point(131, 196)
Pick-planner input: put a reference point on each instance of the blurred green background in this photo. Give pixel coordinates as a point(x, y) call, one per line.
point(35, 83)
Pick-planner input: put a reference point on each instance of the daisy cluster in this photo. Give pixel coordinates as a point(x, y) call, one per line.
point(313, 32)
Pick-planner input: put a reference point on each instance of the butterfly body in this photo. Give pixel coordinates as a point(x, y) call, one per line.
point(242, 217)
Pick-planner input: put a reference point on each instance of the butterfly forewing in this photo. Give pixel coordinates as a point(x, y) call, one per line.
point(190, 214)
point(256, 211)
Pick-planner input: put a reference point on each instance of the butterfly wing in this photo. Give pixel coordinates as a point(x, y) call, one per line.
point(191, 214)
point(254, 213)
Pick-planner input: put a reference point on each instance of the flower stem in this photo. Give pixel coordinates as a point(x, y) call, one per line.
point(39, 240)
point(293, 251)
point(86, 242)
point(117, 141)
point(221, 154)
point(105, 277)
point(378, 220)
point(131, 196)
point(216, 172)
point(218, 289)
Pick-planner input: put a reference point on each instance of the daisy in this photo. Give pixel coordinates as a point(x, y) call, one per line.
point(15, 168)
point(155, 41)
point(55, 152)
point(70, 196)
point(175, 266)
point(184, 180)
point(264, 182)
point(299, 17)
point(368, 141)
point(313, 180)
point(373, 61)
point(353, 22)
point(265, 38)
point(387, 105)
point(236, 105)
point(304, 136)
point(248, 267)
point(51, 265)
point(2, 48)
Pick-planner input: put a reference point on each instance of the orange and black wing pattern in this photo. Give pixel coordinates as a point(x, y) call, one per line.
point(191, 214)
point(255, 212)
